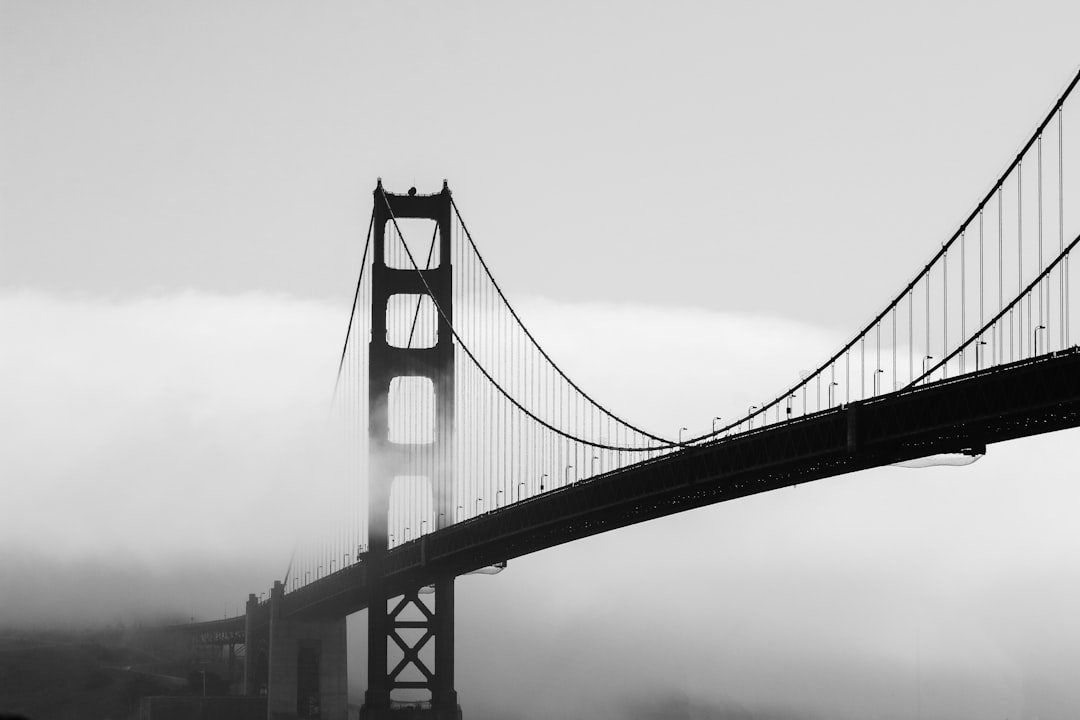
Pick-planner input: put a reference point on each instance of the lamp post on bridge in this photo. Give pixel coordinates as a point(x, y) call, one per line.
point(566, 475)
point(479, 504)
point(519, 486)
point(925, 362)
point(460, 508)
point(542, 482)
point(978, 346)
point(1036, 339)
point(715, 418)
point(422, 523)
point(681, 431)
point(877, 385)
point(498, 496)
point(750, 416)
point(832, 384)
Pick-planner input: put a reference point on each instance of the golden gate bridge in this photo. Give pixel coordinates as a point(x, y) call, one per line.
point(467, 445)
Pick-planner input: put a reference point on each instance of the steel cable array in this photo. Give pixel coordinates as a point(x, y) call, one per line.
point(999, 251)
point(996, 291)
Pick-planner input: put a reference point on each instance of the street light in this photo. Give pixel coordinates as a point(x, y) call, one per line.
point(680, 434)
point(1037, 329)
point(479, 502)
point(542, 482)
point(832, 384)
point(422, 522)
point(750, 419)
point(925, 359)
point(520, 485)
point(566, 475)
point(498, 492)
point(307, 574)
point(714, 424)
point(876, 383)
point(594, 459)
point(459, 509)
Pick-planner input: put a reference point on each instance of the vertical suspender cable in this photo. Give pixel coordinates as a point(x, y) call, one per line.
point(1064, 272)
point(963, 298)
point(982, 319)
point(1001, 276)
point(1039, 265)
point(945, 311)
point(894, 349)
point(1019, 255)
point(928, 353)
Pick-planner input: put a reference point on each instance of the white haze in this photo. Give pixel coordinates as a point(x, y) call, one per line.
point(158, 456)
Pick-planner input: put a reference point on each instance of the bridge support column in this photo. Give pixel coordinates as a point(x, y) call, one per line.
point(256, 648)
point(308, 666)
point(416, 638)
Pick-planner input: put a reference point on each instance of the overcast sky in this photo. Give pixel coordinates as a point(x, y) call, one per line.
point(184, 191)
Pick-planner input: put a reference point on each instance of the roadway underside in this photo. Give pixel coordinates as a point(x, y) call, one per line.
point(1018, 400)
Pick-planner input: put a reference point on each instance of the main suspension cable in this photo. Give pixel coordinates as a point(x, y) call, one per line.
point(537, 345)
point(592, 443)
point(995, 189)
point(356, 298)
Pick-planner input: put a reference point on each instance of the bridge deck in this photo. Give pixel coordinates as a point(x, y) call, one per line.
point(1002, 403)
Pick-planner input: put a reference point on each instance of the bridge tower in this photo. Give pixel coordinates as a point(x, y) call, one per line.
point(405, 625)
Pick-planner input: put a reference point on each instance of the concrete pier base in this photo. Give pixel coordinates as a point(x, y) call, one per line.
point(411, 712)
point(308, 666)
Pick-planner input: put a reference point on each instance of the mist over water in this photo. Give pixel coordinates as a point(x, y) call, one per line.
point(169, 473)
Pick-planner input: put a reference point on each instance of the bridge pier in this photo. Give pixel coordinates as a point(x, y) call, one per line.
point(256, 649)
point(308, 674)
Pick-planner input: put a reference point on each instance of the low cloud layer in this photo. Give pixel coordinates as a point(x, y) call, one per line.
point(161, 456)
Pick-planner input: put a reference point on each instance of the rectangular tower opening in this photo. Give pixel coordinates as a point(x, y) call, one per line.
point(412, 321)
point(420, 236)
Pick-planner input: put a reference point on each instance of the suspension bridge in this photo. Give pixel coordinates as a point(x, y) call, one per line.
point(467, 445)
